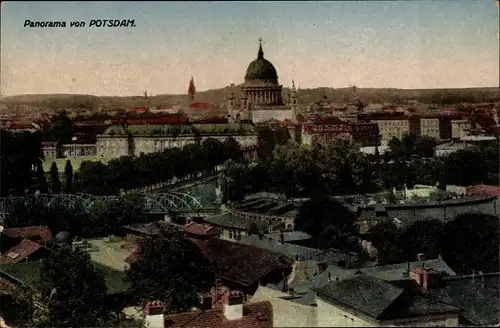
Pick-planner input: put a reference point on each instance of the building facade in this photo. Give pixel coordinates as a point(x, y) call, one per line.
point(331, 129)
point(120, 141)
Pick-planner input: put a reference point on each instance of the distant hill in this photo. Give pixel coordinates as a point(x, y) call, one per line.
point(217, 96)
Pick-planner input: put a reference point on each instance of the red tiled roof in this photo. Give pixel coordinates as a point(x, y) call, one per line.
point(36, 233)
point(242, 264)
point(200, 105)
point(19, 252)
point(483, 190)
point(200, 229)
point(255, 315)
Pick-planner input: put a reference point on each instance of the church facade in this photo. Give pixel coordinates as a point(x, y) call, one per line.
point(262, 95)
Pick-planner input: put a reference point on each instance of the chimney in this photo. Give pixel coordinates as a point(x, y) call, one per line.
point(320, 267)
point(154, 313)
point(282, 237)
point(425, 277)
point(420, 257)
point(233, 306)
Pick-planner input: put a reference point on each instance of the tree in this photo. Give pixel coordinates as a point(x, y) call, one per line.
point(170, 269)
point(68, 173)
point(42, 180)
point(54, 177)
point(425, 146)
point(385, 238)
point(317, 215)
point(62, 128)
point(470, 242)
point(78, 289)
point(423, 236)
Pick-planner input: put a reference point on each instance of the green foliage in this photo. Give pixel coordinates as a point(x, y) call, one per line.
point(471, 242)
point(78, 290)
point(54, 177)
point(170, 269)
point(467, 243)
point(68, 173)
point(329, 223)
point(130, 172)
point(61, 129)
point(20, 153)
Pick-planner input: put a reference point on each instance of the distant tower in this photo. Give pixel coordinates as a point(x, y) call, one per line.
point(230, 106)
point(294, 104)
point(191, 89)
point(146, 94)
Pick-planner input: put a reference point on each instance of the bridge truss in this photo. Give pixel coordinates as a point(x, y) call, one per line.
point(154, 203)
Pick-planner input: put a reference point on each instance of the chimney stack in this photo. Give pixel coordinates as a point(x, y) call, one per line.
point(421, 257)
point(233, 306)
point(425, 277)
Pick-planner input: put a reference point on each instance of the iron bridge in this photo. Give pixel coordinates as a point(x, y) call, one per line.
point(157, 203)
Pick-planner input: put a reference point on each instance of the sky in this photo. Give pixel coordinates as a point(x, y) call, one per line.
point(370, 44)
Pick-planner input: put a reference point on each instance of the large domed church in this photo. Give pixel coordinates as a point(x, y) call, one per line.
point(262, 95)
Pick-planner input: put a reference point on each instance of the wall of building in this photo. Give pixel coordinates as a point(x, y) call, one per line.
point(392, 128)
point(430, 127)
point(262, 115)
point(285, 312)
point(116, 146)
point(332, 316)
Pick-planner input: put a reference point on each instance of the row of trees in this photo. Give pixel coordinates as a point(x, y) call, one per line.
point(170, 269)
point(303, 171)
point(129, 172)
point(464, 251)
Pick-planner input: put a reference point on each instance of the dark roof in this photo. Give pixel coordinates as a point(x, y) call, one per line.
point(379, 299)
point(19, 252)
point(392, 272)
point(240, 263)
point(255, 315)
point(39, 232)
point(478, 296)
point(261, 69)
point(231, 221)
point(290, 235)
point(200, 229)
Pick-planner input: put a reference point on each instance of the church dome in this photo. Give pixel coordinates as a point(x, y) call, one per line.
point(261, 69)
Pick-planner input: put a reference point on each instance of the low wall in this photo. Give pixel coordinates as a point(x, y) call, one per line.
point(446, 210)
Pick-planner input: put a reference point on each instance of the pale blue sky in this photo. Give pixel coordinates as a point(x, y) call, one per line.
point(401, 44)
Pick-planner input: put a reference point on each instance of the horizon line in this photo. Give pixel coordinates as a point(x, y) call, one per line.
point(207, 90)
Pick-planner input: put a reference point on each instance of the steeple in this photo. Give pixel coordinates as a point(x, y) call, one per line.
point(260, 54)
point(191, 89)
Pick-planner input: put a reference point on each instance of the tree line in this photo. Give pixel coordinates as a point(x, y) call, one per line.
point(22, 171)
point(468, 243)
point(309, 171)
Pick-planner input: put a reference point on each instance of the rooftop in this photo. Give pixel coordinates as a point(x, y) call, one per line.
point(20, 252)
point(477, 295)
point(231, 221)
point(38, 233)
point(255, 315)
point(243, 264)
point(180, 129)
point(393, 300)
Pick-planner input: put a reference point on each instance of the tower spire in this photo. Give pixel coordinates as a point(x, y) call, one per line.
point(191, 89)
point(260, 54)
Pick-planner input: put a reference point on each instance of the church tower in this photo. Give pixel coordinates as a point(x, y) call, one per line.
point(191, 89)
